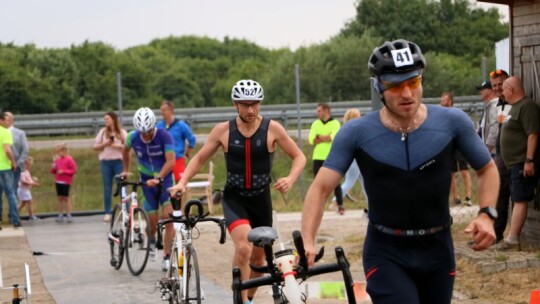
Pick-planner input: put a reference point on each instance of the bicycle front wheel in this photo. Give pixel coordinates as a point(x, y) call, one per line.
point(193, 280)
point(175, 275)
point(116, 238)
point(138, 242)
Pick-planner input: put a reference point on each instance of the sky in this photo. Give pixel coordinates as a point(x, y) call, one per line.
point(126, 23)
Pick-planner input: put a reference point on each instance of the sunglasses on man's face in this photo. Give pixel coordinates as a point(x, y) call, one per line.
point(246, 105)
point(496, 73)
point(397, 87)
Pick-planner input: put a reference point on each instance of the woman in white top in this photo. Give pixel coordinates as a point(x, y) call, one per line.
point(353, 174)
point(110, 142)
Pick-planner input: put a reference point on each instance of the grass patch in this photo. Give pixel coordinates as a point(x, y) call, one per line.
point(87, 188)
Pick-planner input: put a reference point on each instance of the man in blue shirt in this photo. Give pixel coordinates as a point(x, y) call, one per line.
point(155, 156)
point(181, 133)
point(406, 151)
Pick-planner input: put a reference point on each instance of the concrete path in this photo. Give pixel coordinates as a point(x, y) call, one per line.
point(75, 261)
point(75, 266)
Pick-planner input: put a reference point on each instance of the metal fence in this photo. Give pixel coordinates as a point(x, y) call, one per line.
point(90, 122)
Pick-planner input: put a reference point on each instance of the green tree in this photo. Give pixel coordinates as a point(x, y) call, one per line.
point(97, 81)
point(446, 26)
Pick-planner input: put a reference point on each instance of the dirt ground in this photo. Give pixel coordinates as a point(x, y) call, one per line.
point(14, 253)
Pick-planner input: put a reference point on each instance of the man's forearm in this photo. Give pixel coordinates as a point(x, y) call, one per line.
point(312, 214)
point(126, 159)
point(488, 185)
point(167, 168)
point(532, 140)
point(297, 167)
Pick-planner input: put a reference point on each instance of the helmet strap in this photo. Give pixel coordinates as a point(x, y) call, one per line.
point(379, 88)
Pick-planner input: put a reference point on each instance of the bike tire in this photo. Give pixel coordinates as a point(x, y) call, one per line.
point(116, 230)
point(174, 276)
point(137, 250)
point(193, 279)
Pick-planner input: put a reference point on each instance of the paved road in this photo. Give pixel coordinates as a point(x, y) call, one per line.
point(75, 266)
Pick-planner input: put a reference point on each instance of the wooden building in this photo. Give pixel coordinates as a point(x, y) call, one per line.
point(525, 62)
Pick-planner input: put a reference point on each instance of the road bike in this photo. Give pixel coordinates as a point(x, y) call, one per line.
point(181, 283)
point(284, 272)
point(130, 229)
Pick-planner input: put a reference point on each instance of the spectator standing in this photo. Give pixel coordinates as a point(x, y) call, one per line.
point(405, 151)
point(489, 129)
point(353, 174)
point(64, 169)
point(7, 166)
point(460, 165)
point(20, 152)
point(519, 142)
point(26, 183)
point(109, 143)
point(497, 78)
point(181, 133)
point(321, 135)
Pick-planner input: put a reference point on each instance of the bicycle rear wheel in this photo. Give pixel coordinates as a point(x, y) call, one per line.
point(193, 279)
point(138, 242)
point(116, 238)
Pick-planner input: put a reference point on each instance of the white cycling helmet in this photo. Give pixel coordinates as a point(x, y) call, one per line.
point(144, 119)
point(247, 89)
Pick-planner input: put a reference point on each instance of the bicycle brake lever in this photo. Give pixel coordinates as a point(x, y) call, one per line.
point(159, 244)
point(262, 269)
point(320, 254)
point(223, 227)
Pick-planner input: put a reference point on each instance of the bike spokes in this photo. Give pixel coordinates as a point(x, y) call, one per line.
point(138, 242)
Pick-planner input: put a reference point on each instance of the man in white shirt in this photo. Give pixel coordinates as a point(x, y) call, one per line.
point(489, 129)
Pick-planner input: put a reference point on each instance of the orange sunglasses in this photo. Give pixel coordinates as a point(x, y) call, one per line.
point(496, 73)
point(397, 87)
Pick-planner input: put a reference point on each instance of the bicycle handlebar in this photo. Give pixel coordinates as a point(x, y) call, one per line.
point(303, 273)
point(121, 182)
point(191, 221)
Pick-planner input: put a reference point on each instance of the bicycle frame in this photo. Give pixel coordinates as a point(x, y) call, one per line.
point(127, 217)
point(131, 236)
point(302, 270)
point(183, 240)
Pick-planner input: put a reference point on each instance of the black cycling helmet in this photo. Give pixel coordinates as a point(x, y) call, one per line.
point(382, 59)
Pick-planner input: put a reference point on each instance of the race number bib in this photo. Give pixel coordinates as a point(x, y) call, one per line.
point(402, 57)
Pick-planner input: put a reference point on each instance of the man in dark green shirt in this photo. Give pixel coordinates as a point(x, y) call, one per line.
point(519, 140)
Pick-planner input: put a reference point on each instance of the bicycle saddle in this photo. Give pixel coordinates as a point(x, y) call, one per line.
point(262, 236)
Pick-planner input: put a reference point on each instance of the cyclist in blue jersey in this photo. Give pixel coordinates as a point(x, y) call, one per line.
point(249, 142)
point(181, 133)
point(155, 155)
point(406, 152)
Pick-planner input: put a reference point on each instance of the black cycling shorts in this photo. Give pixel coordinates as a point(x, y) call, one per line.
point(255, 211)
point(62, 189)
point(412, 270)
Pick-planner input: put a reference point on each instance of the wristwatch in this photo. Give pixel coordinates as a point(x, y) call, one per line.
point(490, 211)
point(529, 160)
point(160, 179)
